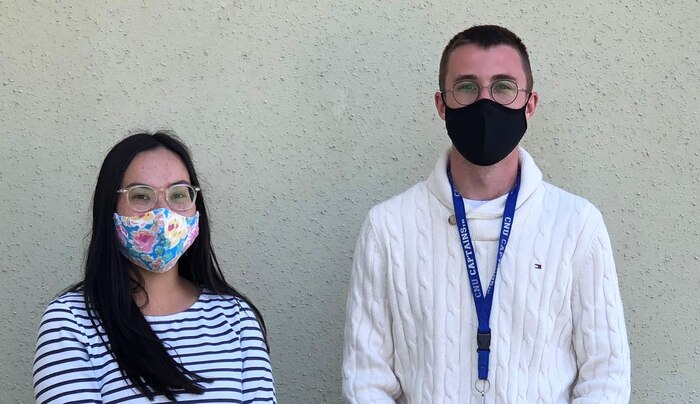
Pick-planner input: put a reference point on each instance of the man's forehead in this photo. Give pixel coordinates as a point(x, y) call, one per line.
point(479, 55)
point(475, 60)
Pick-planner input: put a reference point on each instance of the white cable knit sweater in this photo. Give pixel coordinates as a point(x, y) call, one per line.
point(558, 330)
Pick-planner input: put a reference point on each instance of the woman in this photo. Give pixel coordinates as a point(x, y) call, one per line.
point(153, 320)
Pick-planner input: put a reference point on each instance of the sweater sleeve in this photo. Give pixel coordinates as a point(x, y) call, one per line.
point(599, 333)
point(368, 375)
point(63, 372)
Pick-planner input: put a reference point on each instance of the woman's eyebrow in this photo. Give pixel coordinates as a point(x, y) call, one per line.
point(178, 182)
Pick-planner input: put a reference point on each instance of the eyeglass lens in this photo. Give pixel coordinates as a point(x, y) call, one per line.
point(502, 91)
point(178, 197)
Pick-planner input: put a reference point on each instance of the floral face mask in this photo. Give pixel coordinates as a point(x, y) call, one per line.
point(155, 240)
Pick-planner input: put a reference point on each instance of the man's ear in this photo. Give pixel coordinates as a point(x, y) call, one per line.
point(531, 105)
point(440, 105)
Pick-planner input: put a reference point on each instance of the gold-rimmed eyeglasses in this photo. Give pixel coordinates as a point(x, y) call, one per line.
point(504, 92)
point(142, 198)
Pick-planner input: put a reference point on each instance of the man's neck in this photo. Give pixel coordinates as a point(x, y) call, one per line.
point(484, 183)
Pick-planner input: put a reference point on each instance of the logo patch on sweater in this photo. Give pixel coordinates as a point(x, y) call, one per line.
point(537, 266)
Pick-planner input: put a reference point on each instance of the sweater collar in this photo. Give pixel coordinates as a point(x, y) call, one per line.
point(530, 179)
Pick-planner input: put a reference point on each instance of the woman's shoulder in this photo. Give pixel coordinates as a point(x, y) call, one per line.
point(69, 304)
point(64, 316)
point(235, 307)
point(71, 297)
point(230, 303)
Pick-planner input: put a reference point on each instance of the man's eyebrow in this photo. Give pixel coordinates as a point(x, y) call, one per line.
point(472, 77)
point(503, 77)
point(465, 77)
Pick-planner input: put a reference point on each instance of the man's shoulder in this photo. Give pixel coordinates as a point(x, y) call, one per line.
point(409, 201)
point(569, 204)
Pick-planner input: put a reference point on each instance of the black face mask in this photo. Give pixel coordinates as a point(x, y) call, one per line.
point(485, 132)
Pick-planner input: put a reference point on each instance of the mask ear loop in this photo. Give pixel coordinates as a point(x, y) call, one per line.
point(529, 95)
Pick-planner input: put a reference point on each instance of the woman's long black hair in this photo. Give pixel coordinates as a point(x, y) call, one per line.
point(110, 280)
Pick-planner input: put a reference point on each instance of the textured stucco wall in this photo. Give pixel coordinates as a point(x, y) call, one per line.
point(303, 114)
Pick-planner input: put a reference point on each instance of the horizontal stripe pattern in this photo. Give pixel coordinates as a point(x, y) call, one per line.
point(218, 337)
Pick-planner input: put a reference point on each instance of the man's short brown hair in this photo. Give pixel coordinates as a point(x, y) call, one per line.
point(485, 36)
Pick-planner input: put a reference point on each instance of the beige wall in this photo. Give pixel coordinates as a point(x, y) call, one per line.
point(303, 114)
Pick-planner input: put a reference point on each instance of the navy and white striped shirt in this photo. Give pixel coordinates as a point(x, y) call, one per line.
point(218, 338)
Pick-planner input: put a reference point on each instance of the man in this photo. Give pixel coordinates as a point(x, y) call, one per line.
point(484, 283)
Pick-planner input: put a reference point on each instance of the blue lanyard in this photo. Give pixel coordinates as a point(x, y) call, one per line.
point(483, 301)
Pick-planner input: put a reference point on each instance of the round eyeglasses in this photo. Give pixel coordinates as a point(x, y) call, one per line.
point(504, 92)
point(142, 198)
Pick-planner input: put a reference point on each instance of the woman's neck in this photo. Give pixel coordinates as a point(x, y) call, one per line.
point(484, 183)
point(165, 293)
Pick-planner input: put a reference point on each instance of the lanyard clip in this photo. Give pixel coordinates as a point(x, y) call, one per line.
point(483, 340)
